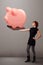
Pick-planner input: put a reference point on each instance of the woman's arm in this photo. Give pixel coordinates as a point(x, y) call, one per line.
point(38, 35)
point(24, 29)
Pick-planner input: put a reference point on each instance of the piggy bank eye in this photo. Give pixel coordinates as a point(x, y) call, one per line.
point(15, 18)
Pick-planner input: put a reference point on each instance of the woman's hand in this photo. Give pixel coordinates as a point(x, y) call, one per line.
point(34, 38)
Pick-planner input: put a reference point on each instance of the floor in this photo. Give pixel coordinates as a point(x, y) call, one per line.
point(18, 61)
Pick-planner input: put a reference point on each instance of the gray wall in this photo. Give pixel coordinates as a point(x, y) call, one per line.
point(13, 43)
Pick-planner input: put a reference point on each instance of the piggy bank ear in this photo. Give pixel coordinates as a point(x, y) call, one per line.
point(8, 9)
point(14, 11)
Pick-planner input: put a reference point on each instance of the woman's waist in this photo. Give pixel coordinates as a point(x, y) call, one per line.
point(31, 38)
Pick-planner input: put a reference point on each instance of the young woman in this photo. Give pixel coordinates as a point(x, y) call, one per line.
point(32, 39)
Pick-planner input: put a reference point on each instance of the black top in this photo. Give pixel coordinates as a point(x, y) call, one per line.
point(33, 32)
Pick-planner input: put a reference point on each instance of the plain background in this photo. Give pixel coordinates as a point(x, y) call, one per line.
point(13, 43)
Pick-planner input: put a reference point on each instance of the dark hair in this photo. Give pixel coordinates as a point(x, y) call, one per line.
point(36, 23)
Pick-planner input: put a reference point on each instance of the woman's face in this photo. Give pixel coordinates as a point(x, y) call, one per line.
point(33, 24)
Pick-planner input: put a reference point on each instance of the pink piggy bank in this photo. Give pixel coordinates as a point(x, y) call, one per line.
point(15, 18)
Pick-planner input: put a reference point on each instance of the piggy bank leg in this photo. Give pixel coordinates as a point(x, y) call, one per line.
point(9, 26)
point(21, 27)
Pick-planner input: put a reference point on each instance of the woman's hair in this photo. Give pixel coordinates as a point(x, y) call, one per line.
point(36, 23)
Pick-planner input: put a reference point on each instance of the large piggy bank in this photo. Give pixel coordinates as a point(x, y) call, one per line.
point(15, 18)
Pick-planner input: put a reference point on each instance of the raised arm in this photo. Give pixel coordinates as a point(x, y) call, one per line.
point(38, 35)
point(24, 30)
